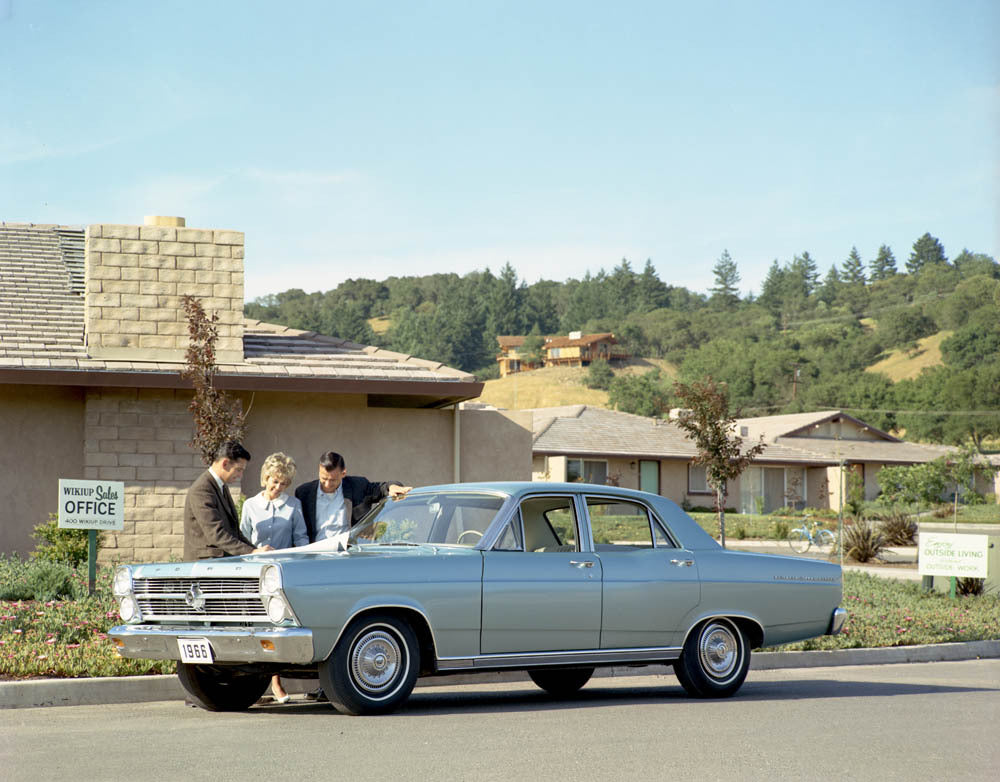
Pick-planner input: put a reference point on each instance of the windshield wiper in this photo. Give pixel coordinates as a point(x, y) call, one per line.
point(397, 543)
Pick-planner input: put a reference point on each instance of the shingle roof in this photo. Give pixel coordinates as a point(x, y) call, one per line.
point(774, 426)
point(42, 328)
point(585, 430)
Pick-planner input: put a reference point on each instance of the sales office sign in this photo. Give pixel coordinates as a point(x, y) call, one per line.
point(948, 554)
point(91, 504)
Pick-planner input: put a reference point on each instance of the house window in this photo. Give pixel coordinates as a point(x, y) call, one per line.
point(586, 471)
point(698, 479)
point(553, 352)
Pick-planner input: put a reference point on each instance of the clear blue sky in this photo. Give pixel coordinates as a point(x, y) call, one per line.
point(354, 139)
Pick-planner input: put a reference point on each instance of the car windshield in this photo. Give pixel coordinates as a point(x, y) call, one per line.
point(448, 518)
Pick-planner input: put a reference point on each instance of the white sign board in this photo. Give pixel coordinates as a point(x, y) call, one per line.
point(91, 504)
point(948, 554)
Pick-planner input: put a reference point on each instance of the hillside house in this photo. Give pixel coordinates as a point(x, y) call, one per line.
point(575, 350)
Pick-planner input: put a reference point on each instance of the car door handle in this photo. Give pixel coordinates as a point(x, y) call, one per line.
point(682, 562)
point(581, 563)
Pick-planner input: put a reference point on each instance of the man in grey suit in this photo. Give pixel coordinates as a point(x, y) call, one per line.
point(211, 524)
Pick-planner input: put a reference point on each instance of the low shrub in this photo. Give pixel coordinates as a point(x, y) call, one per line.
point(899, 529)
point(863, 541)
point(68, 546)
point(780, 528)
point(970, 586)
point(740, 532)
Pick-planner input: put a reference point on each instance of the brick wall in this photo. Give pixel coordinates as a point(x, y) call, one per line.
point(135, 278)
point(140, 436)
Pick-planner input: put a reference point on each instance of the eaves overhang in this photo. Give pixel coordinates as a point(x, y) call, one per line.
point(381, 393)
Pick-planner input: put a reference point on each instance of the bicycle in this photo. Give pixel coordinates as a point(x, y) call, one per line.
point(801, 538)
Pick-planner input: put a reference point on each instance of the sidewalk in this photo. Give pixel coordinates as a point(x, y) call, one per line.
point(141, 689)
point(900, 562)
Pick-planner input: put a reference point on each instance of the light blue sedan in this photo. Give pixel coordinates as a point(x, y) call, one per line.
point(553, 579)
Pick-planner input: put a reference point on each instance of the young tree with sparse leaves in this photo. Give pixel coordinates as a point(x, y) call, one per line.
point(709, 423)
point(217, 416)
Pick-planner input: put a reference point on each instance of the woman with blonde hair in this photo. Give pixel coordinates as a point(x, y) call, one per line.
point(274, 518)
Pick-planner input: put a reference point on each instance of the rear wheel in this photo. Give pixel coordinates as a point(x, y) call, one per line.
point(219, 688)
point(561, 682)
point(715, 660)
point(799, 541)
point(825, 539)
point(373, 666)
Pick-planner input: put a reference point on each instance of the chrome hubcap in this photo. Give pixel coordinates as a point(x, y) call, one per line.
point(718, 651)
point(375, 660)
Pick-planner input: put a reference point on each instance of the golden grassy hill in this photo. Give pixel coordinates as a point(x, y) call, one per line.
point(907, 364)
point(556, 386)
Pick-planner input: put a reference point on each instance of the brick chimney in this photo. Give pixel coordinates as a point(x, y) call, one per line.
point(136, 276)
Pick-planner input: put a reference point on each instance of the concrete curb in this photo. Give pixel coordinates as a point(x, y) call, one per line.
point(140, 689)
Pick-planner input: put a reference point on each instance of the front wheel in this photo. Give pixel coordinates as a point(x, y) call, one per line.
point(799, 540)
point(373, 666)
point(715, 660)
point(219, 688)
point(561, 682)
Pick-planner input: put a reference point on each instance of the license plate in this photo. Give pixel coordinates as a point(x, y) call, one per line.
point(195, 650)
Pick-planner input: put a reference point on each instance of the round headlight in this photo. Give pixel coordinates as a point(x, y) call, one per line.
point(122, 584)
point(276, 609)
point(127, 608)
point(270, 580)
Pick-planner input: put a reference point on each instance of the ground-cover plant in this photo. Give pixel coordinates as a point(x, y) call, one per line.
point(60, 637)
point(886, 612)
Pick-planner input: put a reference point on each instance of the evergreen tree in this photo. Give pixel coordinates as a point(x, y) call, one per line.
point(803, 268)
point(621, 288)
point(926, 250)
point(830, 289)
point(854, 268)
point(651, 291)
point(725, 294)
point(504, 305)
point(884, 265)
point(772, 290)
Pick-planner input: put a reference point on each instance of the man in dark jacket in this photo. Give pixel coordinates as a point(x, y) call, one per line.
point(211, 525)
point(336, 501)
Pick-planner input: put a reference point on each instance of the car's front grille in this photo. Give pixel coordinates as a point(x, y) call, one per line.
point(204, 599)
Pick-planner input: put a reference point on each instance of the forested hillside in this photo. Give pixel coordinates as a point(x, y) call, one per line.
point(804, 343)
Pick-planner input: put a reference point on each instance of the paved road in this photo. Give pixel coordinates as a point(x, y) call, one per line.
point(925, 721)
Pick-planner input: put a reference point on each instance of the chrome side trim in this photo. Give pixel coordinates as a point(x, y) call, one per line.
point(539, 659)
point(837, 621)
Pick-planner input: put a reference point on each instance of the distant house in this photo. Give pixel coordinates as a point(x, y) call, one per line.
point(92, 340)
point(800, 467)
point(575, 350)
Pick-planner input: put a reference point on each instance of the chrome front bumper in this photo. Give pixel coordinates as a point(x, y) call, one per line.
point(238, 644)
point(837, 621)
